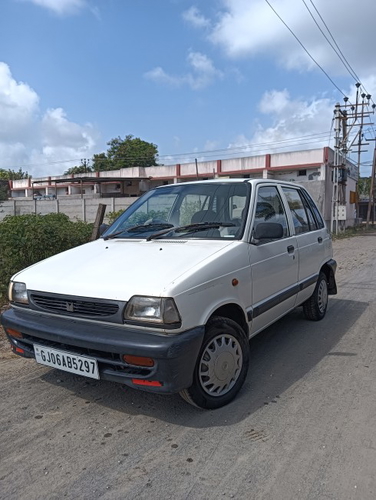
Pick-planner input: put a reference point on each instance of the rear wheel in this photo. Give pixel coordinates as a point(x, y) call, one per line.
point(221, 366)
point(315, 307)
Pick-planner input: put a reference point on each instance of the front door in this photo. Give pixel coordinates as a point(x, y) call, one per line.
point(274, 263)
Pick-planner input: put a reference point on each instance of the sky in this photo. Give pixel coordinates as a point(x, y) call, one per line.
point(205, 79)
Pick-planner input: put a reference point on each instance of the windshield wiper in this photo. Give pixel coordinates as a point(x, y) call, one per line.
point(191, 228)
point(146, 227)
point(141, 228)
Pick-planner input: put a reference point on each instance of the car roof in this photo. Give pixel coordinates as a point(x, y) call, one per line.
point(233, 181)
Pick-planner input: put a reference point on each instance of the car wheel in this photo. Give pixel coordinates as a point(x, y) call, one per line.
point(315, 307)
point(221, 366)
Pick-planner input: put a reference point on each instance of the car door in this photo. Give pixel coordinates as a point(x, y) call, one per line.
point(274, 264)
point(312, 239)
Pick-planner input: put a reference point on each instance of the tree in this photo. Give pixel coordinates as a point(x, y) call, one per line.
point(6, 176)
point(128, 152)
point(13, 175)
point(364, 185)
point(80, 169)
point(101, 162)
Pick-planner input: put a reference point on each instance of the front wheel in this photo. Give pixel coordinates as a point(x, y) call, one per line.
point(221, 366)
point(315, 307)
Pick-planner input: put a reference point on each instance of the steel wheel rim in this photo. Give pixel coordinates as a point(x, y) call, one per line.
point(322, 296)
point(220, 365)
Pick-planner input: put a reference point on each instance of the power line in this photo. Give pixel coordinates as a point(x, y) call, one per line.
point(345, 61)
point(339, 53)
point(304, 48)
point(343, 58)
point(228, 151)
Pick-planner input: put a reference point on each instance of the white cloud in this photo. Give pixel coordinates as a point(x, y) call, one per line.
point(211, 145)
point(274, 101)
point(296, 124)
point(202, 75)
point(61, 7)
point(246, 29)
point(33, 140)
point(195, 18)
point(18, 105)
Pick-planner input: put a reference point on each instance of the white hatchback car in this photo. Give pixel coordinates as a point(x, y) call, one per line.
point(168, 298)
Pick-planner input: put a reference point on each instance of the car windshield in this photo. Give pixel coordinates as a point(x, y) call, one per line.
point(213, 210)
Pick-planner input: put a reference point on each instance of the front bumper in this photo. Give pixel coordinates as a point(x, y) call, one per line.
point(174, 355)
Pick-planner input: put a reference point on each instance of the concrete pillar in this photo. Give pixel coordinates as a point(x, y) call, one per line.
point(83, 200)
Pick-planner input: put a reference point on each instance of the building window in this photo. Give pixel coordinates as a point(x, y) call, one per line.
point(302, 172)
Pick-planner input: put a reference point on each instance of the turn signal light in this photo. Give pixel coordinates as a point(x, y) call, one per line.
point(18, 349)
point(138, 360)
point(14, 333)
point(152, 383)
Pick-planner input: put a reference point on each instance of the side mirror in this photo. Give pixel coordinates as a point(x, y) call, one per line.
point(267, 231)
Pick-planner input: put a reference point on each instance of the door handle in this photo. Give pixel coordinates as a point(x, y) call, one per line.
point(290, 249)
point(319, 239)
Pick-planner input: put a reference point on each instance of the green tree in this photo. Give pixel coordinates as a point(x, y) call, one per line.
point(6, 176)
point(80, 169)
point(101, 163)
point(13, 174)
point(364, 185)
point(128, 152)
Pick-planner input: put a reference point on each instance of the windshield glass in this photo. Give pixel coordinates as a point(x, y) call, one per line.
point(201, 211)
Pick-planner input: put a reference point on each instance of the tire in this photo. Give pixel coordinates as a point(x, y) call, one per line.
point(315, 307)
point(221, 366)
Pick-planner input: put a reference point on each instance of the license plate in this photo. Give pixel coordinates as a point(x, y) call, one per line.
point(73, 363)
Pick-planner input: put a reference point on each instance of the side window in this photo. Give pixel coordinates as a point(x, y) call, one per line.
point(269, 208)
point(299, 214)
point(319, 221)
point(311, 218)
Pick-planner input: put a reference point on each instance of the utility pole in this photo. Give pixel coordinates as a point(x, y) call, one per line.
point(371, 200)
point(335, 195)
point(347, 118)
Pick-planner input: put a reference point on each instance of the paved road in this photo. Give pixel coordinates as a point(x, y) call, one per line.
point(302, 428)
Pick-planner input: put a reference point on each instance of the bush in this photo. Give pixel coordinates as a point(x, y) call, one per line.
point(114, 215)
point(26, 239)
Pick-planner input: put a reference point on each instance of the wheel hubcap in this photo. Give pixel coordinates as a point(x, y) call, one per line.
point(322, 296)
point(220, 365)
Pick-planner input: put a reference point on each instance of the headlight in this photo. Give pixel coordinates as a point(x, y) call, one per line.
point(161, 311)
point(18, 292)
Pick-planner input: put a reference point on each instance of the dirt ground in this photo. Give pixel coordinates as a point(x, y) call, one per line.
point(303, 427)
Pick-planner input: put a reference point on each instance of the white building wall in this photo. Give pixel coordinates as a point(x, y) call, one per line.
point(162, 171)
point(247, 163)
point(206, 168)
point(297, 158)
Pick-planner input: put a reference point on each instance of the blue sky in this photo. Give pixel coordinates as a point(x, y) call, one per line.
point(191, 77)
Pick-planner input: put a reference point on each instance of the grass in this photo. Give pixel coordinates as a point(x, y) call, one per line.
point(354, 231)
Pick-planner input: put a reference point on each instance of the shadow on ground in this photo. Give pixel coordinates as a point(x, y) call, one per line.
point(280, 356)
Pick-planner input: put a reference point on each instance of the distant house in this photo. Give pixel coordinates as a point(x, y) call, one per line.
point(311, 168)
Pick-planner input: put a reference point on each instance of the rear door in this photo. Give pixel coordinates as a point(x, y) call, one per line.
point(312, 239)
point(274, 263)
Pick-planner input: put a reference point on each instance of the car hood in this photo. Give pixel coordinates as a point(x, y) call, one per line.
point(117, 269)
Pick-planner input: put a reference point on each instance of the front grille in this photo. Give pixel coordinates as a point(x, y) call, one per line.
point(74, 306)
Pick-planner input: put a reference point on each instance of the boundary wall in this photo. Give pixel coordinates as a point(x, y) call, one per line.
point(84, 209)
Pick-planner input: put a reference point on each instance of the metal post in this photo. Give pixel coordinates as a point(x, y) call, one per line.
point(371, 201)
point(337, 129)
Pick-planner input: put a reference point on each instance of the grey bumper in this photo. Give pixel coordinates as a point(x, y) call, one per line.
point(174, 355)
